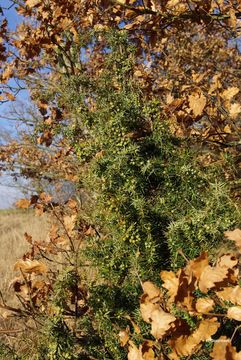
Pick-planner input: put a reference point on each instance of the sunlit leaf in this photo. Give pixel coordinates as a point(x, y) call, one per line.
point(234, 312)
point(197, 102)
point(31, 266)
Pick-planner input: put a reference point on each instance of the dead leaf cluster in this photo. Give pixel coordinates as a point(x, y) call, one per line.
point(197, 290)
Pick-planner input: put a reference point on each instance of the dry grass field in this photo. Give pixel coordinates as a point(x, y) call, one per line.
point(13, 225)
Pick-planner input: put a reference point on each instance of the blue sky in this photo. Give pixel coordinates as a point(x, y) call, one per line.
point(9, 193)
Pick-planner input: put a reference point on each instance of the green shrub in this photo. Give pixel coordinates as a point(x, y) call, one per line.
point(149, 197)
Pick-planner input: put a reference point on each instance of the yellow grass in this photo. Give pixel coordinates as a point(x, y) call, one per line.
point(13, 225)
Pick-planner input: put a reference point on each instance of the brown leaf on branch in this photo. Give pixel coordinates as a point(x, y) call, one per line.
point(172, 3)
point(10, 96)
point(234, 110)
point(197, 102)
point(23, 203)
point(32, 3)
point(31, 266)
point(28, 238)
point(229, 93)
point(39, 209)
point(69, 223)
point(46, 138)
point(42, 106)
point(45, 198)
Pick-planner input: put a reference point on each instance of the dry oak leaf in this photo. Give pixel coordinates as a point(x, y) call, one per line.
point(5, 313)
point(69, 223)
point(39, 209)
point(147, 308)
point(169, 98)
point(232, 18)
point(210, 277)
point(229, 93)
point(30, 266)
point(197, 102)
point(152, 313)
point(172, 3)
point(234, 110)
point(145, 351)
point(216, 83)
point(138, 20)
point(18, 285)
point(151, 290)
point(223, 350)
point(42, 104)
point(195, 267)
point(90, 231)
point(133, 352)
point(9, 96)
point(197, 77)
point(234, 312)
point(232, 294)
point(187, 345)
point(72, 204)
point(124, 337)
point(46, 198)
point(204, 305)
point(32, 3)
point(227, 129)
point(227, 260)
point(235, 236)
point(100, 154)
point(221, 274)
point(185, 290)
point(28, 238)
point(171, 283)
point(23, 203)
point(7, 73)
point(138, 73)
point(161, 322)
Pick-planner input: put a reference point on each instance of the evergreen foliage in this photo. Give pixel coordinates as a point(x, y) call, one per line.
point(150, 198)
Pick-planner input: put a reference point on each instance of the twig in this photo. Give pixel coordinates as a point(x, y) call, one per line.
point(235, 330)
point(180, 252)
